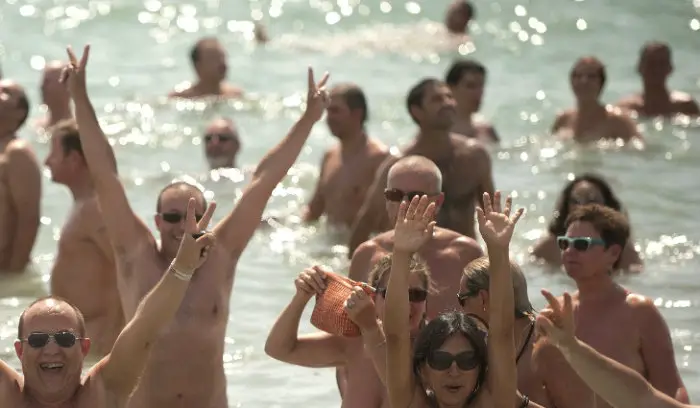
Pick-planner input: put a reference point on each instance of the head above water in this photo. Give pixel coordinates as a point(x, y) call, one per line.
point(412, 175)
point(451, 335)
point(655, 62)
point(458, 15)
point(608, 232)
point(347, 113)
point(221, 143)
point(52, 370)
point(14, 107)
point(208, 58)
point(466, 79)
point(588, 78)
point(65, 158)
point(171, 208)
point(431, 105)
point(474, 289)
point(419, 280)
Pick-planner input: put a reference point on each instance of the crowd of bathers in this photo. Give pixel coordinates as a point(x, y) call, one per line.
point(424, 317)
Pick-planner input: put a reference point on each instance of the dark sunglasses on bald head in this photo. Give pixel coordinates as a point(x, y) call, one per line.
point(173, 217)
point(395, 195)
point(64, 339)
point(221, 137)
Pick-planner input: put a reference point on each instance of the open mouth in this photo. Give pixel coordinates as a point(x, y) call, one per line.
point(453, 388)
point(51, 367)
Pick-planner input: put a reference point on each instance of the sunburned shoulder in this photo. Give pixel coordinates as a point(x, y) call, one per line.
point(19, 146)
point(467, 145)
point(384, 241)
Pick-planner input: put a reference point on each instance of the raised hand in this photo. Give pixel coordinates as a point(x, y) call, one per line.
point(311, 281)
point(360, 307)
point(316, 97)
point(74, 73)
point(414, 224)
point(195, 243)
point(556, 323)
point(496, 225)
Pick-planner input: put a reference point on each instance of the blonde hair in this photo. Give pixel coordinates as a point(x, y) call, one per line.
point(476, 278)
point(379, 274)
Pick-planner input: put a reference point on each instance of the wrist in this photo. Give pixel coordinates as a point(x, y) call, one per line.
point(370, 328)
point(567, 346)
point(302, 297)
point(181, 272)
point(401, 253)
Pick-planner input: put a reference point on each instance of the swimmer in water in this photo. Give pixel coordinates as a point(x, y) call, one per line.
point(458, 15)
point(221, 144)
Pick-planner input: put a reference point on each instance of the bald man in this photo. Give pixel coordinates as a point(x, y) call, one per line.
point(208, 59)
point(458, 15)
point(655, 66)
point(20, 182)
point(221, 144)
point(349, 167)
point(54, 95)
point(52, 343)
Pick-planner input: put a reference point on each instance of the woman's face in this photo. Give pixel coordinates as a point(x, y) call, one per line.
point(417, 293)
point(585, 192)
point(451, 371)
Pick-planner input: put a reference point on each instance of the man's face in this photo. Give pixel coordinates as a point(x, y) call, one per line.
point(469, 91)
point(212, 61)
point(655, 64)
point(221, 144)
point(52, 365)
point(171, 219)
point(589, 260)
point(586, 80)
point(438, 108)
point(339, 117)
point(63, 166)
point(402, 183)
point(11, 113)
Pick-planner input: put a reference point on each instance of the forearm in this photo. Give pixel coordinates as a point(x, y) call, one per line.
point(283, 336)
point(396, 317)
point(501, 298)
point(375, 347)
point(98, 153)
point(24, 237)
point(276, 163)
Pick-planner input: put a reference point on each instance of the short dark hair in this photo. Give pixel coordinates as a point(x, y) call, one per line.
point(178, 184)
point(601, 68)
point(417, 93)
point(78, 313)
point(461, 67)
point(70, 136)
point(612, 225)
point(23, 103)
point(355, 98)
point(468, 8)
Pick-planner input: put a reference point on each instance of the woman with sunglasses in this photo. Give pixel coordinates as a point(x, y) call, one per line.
point(363, 387)
point(452, 364)
point(584, 189)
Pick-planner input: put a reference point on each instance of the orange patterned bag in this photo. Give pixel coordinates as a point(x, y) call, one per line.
point(329, 313)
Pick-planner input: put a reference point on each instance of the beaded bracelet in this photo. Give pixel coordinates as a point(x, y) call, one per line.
point(179, 274)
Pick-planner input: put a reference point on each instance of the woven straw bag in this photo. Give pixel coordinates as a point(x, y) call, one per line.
point(329, 313)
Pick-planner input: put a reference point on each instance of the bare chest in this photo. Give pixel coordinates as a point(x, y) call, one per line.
point(346, 180)
point(613, 333)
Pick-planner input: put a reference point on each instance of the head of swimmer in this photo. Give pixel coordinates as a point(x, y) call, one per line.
point(51, 345)
point(587, 78)
point(466, 79)
point(419, 284)
point(208, 58)
point(347, 113)
point(221, 144)
point(458, 16)
point(450, 359)
point(14, 107)
point(431, 105)
point(171, 209)
point(473, 294)
point(411, 176)
point(53, 92)
point(65, 159)
point(655, 63)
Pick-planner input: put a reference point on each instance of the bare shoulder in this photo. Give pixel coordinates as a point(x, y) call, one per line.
point(468, 147)
point(8, 376)
point(631, 102)
point(681, 97)
point(465, 246)
point(684, 103)
point(641, 304)
point(18, 149)
point(232, 91)
point(384, 241)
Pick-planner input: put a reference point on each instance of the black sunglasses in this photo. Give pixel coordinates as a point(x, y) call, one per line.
point(396, 195)
point(442, 360)
point(578, 243)
point(223, 137)
point(414, 295)
point(175, 217)
point(64, 339)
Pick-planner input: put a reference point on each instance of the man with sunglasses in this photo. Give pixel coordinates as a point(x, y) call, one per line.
point(221, 144)
point(446, 254)
point(52, 342)
point(624, 326)
point(195, 341)
point(464, 163)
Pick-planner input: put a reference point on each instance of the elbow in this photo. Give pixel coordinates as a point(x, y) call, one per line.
point(276, 350)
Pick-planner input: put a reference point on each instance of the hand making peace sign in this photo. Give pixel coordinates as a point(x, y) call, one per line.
point(74, 73)
point(194, 251)
point(317, 96)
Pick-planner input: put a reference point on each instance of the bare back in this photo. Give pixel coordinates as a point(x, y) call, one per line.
point(364, 387)
point(84, 273)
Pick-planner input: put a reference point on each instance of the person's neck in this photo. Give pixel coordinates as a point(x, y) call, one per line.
point(464, 114)
point(58, 113)
point(353, 142)
point(82, 189)
point(655, 91)
point(210, 87)
point(65, 401)
point(433, 143)
point(596, 288)
point(5, 139)
point(590, 108)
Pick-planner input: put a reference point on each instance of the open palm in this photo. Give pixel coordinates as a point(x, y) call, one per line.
point(495, 225)
point(414, 224)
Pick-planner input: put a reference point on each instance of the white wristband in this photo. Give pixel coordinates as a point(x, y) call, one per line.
point(179, 274)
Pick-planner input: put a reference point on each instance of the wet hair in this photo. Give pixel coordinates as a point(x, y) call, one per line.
point(378, 276)
point(557, 226)
point(70, 137)
point(78, 314)
point(417, 93)
point(436, 333)
point(23, 103)
point(461, 67)
point(612, 225)
point(601, 68)
point(476, 277)
point(195, 50)
point(179, 184)
point(354, 97)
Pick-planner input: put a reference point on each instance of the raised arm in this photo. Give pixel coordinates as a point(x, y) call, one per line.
point(316, 207)
point(121, 369)
point(236, 229)
point(620, 386)
point(496, 227)
point(126, 231)
point(361, 309)
point(24, 181)
point(414, 227)
point(311, 350)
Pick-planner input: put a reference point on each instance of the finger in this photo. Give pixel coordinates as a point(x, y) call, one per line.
point(319, 280)
point(403, 210)
point(311, 83)
point(519, 213)
point(412, 207)
point(190, 223)
point(71, 56)
point(553, 302)
point(487, 203)
point(359, 293)
point(509, 205)
point(480, 217)
point(545, 325)
point(568, 307)
point(368, 289)
point(320, 271)
point(203, 224)
point(431, 228)
point(206, 241)
point(64, 75)
point(429, 213)
point(313, 284)
point(85, 57)
point(305, 286)
point(323, 81)
point(422, 206)
point(497, 201)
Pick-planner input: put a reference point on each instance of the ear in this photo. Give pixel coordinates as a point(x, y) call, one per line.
point(440, 200)
point(416, 112)
point(157, 220)
point(484, 298)
point(614, 251)
point(19, 349)
point(85, 346)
